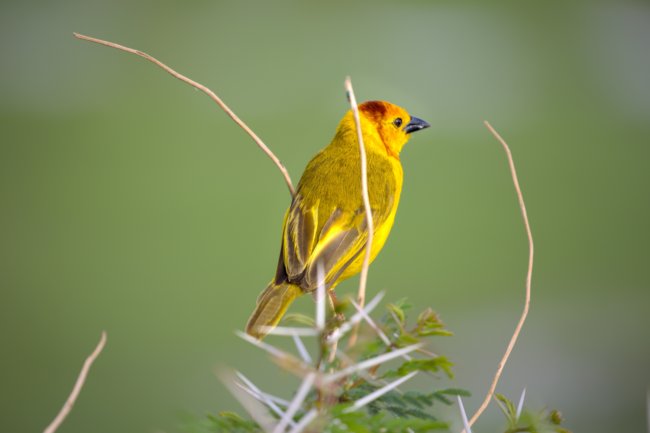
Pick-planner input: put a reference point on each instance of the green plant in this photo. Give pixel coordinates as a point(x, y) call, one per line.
point(353, 389)
point(520, 420)
point(356, 390)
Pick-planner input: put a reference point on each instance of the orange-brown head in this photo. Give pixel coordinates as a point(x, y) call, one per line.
point(388, 123)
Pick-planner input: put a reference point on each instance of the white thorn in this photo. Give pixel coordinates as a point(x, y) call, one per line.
point(463, 415)
point(302, 349)
point(255, 409)
point(372, 324)
point(262, 398)
point(252, 386)
point(264, 346)
point(289, 331)
point(520, 406)
point(370, 363)
point(297, 401)
point(378, 393)
point(304, 421)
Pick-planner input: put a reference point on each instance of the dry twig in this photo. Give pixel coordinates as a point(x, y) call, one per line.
point(361, 296)
point(67, 407)
point(208, 92)
point(529, 276)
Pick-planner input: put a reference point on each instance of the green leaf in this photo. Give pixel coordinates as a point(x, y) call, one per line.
point(398, 312)
point(420, 414)
point(425, 399)
point(555, 417)
point(397, 411)
point(455, 391)
point(345, 422)
point(403, 425)
point(429, 323)
point(440, 395)
point(442, 398)
point(508, 409)
point(430, 364)
point(413, 399)
point(406, 339)
point(404, 304)
point(374, 348)
point(393, 398)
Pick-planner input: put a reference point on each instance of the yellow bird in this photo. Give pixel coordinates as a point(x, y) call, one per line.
point(326, 221)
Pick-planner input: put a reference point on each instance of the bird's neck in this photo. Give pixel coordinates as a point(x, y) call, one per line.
point(347, 135)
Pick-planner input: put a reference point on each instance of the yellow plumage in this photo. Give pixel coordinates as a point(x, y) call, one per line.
point(326, 220)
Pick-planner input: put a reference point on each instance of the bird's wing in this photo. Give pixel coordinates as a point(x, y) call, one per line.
point(341, 240)
point(326, 221)
point(322, 234)
point(299, 237)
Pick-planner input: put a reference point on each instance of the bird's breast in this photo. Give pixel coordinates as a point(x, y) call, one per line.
point(384, 189)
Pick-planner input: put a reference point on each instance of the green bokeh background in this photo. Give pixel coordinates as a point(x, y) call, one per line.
point(130, 203)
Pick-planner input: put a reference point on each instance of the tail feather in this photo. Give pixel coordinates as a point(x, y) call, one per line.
point(271, 305)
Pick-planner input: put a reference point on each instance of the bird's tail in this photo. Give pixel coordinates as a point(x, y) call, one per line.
point(271, 305)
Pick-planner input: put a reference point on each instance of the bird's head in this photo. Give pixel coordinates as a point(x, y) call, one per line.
point(392, 125)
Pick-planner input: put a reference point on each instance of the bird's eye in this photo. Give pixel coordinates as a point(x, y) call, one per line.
point(397, 122)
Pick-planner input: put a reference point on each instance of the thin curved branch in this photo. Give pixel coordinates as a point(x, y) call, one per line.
point(67, 407)
point(363, 279)
point(208, 92)
point(529, 276)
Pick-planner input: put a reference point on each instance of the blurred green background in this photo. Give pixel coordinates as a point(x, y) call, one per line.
point(130, 203)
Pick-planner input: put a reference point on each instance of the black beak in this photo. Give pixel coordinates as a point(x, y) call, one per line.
point(415, 125)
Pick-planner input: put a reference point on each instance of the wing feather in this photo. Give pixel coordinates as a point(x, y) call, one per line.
point(307, 241)
point(299, 237)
